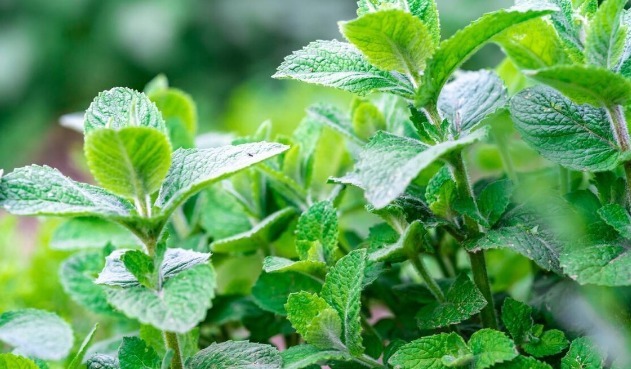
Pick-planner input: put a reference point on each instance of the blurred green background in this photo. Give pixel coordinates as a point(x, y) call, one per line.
point(55, 56)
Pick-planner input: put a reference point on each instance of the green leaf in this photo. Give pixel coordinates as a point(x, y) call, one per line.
point(462, 301)
point(135, 354)
point(523, 362)
point(325, 330)
point(237, 355)
point(494, 199)
point(461, 46)
point(407, 245)
point(334, 118)
point(425, 10)
point(180, 113)
point(36, 333)
point(342, 290)
point(91, 233)
point(575, 136)
point(141, 266)
point(604, 42)
point(586, 84)
point(100, 361)
point(178, 306)
point(272, 289)
point(617, 217)
point(36, 190)
point(302, 307)
point(340, 65)
point(517, 319)
point(317, 233)
point(77, 275)
point(440, 351)
point(393, 40)
point(193, 169)
point(583, 354)
point(11, 361)
point(470, 98)
point(536, 244)
point(222, 215)
point(122, 107)
point(534, 44)
point(440, 192)
point(388, 164)
point(549, 343)
point(261, 235)
point(367, 118)
point(303, 356)
point(275, 264)
point(131, 162)
point(491, 347)
point(603, 264)
point(78, 358)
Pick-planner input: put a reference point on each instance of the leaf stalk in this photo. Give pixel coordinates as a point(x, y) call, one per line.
point(173, 343)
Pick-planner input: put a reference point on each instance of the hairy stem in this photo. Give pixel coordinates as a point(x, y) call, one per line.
point(429, 281)
point(173, 344)
point(368, 361)
point(621, 132)
point(478, 262)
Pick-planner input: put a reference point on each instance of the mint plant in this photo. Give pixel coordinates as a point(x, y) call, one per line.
point(366, 238)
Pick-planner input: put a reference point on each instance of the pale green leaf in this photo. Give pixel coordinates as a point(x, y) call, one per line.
point(425, 10)
point(583, 354)
point(77, 275)
point(462, 301)
point(92, 233)
point(36, 333)
point(177, 307)
point(221, 214)
point(272, 289)
point(342, 290)
point(180, 113)
point(131, 162)
point(440, 192)
point(440, 351)
point(122, 107)
point(586, 84)
point(157, 83)
point(317, 233)
point(100, 361)
point(461, 46)
point(302, 308)
point(36, 190)
point(237, 355)
point(193, 169)
point(275, 264)
point(78, 358)
point(532, 45)
point(135, 354)
point(470, 98)
point(325, 331)
point(491, 347)
point(334, 118)
point(617, 217)
point(366, 118)
point(304, 356)
point(11, 361)
point(393, 40)
point(604, 264)
point(261, 234)
point(604, 41)
point(576, 136)
point(388, 164)
point(340, 65)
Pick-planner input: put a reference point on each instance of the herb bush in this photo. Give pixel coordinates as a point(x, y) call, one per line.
point(362, 240)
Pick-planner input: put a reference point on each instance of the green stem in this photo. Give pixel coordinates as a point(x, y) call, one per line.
point(368, 361)
point(173, 343)
point(431, 111)
point(564, 180)
point(621, 132)
point(429, 281)
point(180, 223)
point(507, 160)
point(478, 262)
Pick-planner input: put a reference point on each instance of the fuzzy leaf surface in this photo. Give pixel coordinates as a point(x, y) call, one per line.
point(193, 169)
point(123, 107)
point(36, 190)
point(237, 355)
point(491, 347)
point(432, 352)
point(77, 275)
point(317, 233)
point(36, 333)
point(604, 42)
point(576, 136)
point(135, 354)
point(389, 163)
point(304, 356)
point(340, 65)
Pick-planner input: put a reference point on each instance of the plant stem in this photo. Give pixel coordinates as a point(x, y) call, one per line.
point(507, 160)
point(429, 281)
point(173, 343)
point(564, 180)
point(478, 262)
point(368, 361)
point(431, 111)
point(621, 132)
